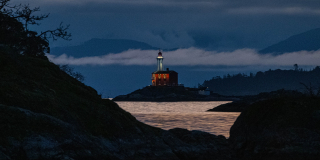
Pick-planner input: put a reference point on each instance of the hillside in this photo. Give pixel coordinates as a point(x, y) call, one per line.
point(306, 41)
point(99, 47)
point(271, 80)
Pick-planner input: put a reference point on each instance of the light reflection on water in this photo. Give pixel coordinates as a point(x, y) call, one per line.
point(189, 115)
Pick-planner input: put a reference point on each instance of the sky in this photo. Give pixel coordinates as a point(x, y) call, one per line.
point(221, 25)
point(212, 37)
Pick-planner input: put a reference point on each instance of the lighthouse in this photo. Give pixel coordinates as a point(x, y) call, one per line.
point(160, 61)
point(163, 77)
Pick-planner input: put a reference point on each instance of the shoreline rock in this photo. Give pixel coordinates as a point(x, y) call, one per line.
point(170, 94)
point(280, 128)
point(245, 101)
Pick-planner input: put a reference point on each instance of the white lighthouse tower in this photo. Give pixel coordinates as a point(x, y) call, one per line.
point(160, 61)
point(163, 77)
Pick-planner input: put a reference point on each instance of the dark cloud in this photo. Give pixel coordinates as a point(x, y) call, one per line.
point(175, 6)
point(209, 24)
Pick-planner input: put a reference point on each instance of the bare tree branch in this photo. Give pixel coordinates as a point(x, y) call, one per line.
point(3, 3)
point(24, 13)
point(60, 32)
point(310, 89)
point(16, 20)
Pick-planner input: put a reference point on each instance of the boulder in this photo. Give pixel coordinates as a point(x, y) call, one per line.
point(280, 128)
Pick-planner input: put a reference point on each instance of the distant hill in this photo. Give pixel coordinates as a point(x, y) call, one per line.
point(98, 47)
point(271, 80)
point(308, 41)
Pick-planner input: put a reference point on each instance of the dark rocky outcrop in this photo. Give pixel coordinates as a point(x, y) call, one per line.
point(47, 114)
point(201, 145)
point(279, 128)
point(246, 101)
point(235, 106)
point(170, 94)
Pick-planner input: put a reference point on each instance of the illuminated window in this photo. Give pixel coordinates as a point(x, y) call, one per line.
point(165, 76)
point(159, 76)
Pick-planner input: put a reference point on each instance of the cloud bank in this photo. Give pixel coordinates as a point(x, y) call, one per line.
point(195, 57)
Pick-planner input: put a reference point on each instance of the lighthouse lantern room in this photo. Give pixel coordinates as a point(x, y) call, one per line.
point(160, 61)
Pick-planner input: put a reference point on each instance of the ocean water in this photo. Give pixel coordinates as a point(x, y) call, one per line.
point(188, 115)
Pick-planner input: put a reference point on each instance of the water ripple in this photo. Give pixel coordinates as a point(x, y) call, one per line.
point(189, 115)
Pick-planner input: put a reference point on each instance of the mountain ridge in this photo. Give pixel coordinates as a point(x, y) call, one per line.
point(99, 47)
point(307, 41)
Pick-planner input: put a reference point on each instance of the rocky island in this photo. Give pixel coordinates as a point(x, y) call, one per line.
point(172, 94)
point(165, 88)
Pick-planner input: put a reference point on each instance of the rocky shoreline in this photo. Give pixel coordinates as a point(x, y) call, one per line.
point(170, 94)
point(244, 102)
point(64, 141)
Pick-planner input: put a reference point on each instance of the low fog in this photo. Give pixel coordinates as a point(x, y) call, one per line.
point(195, 57)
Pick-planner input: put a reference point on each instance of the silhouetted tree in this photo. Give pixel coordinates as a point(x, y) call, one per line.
point(259, 74)
point(11, 31)
point(267, 81)
point(14, 32)
point(311, 90)
point(296, 67)
point(69, 70)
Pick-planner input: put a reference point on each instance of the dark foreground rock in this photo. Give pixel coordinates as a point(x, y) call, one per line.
point(39, 136)
point(280, 128)
point(47, 114)
point(198, 145)
point(235, 106)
